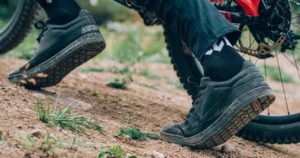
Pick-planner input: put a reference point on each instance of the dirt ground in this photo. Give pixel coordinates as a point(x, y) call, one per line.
point(138, 106)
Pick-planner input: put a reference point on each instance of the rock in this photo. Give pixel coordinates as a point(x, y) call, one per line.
point(39, 95)
point(157, 154)
point(227, 149)
point(62, 100)
point(77, 104)
point(58, 152)
point(37, 133)
point(20, 126)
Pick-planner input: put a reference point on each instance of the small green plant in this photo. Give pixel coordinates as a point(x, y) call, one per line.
point(120, 83)
point(93, 69)
point(113, 152)
point(49, 143)
point(1, 136)
point(115, 100)
point(94, 93)
point(43, 113)
point(136, 134)
point(66, 120)
point(26, 141)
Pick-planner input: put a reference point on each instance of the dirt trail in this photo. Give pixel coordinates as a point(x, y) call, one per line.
point(139, 106)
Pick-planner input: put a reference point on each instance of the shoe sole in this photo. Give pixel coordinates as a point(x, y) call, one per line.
point(235, 117)
point(53, 70)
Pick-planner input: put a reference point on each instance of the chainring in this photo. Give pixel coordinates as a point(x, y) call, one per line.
point(148, 17)
point(270, 30)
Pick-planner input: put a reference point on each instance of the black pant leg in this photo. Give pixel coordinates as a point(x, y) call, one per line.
point(198, 23)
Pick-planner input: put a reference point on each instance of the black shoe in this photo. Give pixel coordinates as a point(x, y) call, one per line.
point(222, 109)
point(61, 49)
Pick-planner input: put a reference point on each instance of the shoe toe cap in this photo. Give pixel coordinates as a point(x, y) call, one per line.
point(172, 129)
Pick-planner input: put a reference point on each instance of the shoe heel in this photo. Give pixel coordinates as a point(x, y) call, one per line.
point(262, 103)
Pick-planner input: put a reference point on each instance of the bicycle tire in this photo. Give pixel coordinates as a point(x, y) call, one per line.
point(19, 25)
point(265, 129)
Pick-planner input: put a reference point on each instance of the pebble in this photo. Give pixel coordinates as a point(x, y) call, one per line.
point(157, 154)
point(227, 149)
point(73, 103)
point(77, 104)
point(37, 133)
point(20, 126)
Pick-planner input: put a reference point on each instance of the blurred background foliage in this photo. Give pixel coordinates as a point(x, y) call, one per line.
point(107, 10)
point(5, 11)
point(128, 40)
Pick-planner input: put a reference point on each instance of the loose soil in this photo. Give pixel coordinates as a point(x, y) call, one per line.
point(147, 104)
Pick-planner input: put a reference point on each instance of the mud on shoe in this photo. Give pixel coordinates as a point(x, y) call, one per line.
point(222, 109)
point(61, 49)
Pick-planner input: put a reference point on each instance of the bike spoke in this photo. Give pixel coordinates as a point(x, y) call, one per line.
point(250, 39)
point(282, 84)
point(292, 62)
point(265, 69)
point(296, 25)
point(296, 64)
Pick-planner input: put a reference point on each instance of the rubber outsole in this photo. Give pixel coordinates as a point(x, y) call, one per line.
point(227, 125)
point(53, 70)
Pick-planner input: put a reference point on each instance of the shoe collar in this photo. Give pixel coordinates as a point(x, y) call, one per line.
point(207, 81)
point(82, 14)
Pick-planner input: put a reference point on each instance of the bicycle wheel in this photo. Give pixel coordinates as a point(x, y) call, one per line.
point(16, 17)
point(281, 122)
point(281, 128)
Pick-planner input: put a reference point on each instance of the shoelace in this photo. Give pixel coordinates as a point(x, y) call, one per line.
point(41, 25)
point(200, 88)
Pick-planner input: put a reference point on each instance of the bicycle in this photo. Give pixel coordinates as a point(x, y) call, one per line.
point(272, 25)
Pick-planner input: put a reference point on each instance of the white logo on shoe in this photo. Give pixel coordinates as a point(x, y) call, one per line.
point(89, 28)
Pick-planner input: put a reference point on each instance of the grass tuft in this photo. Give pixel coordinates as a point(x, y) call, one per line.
point(66, 120)
point(45, 144)
point(113, 152)
point(43, 113)
point(120, 83)
point(1, 136)
point(136, 134)
point(49, 143)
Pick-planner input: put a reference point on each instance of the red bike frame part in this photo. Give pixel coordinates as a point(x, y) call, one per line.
point(227, 16)
point(250, 7)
